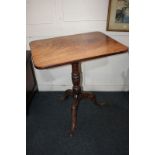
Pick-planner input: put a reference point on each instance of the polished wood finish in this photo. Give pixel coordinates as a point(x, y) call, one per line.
point(74, 49)
point(68, 49)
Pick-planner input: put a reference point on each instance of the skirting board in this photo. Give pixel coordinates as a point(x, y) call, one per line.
point(112, 87)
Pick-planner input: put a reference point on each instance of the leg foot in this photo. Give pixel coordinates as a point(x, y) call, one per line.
point(92, 97)
point(67, 93)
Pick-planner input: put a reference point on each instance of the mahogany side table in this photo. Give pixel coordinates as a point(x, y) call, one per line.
point(72, 50)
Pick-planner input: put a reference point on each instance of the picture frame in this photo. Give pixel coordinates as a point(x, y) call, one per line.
point(118, 16)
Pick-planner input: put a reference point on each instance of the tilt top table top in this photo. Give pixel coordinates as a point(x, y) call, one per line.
point(68, 49)
point(72, 50)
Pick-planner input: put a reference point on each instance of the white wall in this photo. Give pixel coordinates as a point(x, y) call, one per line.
point(50, 18)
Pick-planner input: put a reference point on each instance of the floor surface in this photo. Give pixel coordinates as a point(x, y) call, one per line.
point(101, 131)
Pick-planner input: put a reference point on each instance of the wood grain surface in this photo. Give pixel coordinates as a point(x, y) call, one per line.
point(68, 49)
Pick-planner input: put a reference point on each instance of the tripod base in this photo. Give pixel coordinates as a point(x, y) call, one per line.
point(77, 96)
point(82, 95)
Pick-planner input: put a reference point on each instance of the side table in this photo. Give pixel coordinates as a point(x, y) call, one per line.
point(72, 50)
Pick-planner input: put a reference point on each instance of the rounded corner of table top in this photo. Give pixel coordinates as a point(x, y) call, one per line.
point(31, 43)
point(39, 66)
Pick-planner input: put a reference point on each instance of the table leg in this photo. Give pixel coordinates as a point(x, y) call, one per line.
point(74, 108)
point(67, 93)
point(92, 97)
point(76, 95)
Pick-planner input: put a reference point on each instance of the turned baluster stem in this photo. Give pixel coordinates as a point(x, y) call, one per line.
point(76, 79)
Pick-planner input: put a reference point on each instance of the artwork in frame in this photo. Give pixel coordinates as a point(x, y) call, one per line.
point(118, 15)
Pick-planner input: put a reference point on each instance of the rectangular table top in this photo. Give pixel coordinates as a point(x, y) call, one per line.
point(68, 49)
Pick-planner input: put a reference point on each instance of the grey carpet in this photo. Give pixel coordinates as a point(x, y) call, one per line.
point(101, 131)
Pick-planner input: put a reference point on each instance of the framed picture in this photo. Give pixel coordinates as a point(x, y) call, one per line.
point(118, 15)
